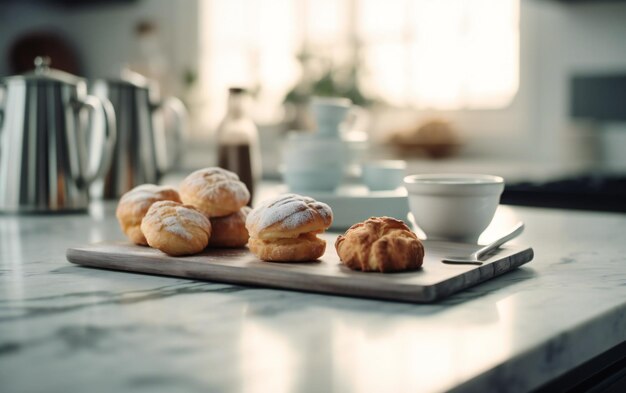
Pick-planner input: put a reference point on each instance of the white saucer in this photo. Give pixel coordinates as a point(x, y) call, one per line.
point(356, 203)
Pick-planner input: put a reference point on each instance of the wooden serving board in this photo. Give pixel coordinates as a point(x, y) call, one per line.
point(434, 281)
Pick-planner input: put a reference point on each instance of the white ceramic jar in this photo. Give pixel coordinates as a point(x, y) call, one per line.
point(316, 161)
point(311, 162)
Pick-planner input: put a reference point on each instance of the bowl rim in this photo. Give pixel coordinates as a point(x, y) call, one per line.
point(392, 165)
point(453, 179)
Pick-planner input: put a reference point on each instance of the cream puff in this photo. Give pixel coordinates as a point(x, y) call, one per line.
point(214, 191)
point(230, 231)
point(135, 203)
point(176, 229)
point(283, 229)
point(380, 244)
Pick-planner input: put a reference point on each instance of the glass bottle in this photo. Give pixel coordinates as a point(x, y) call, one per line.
point(238, 141)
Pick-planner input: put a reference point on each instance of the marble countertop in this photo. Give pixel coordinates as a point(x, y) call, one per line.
point(65, 328)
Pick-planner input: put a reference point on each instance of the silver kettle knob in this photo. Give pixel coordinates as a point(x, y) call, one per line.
point(42, 64)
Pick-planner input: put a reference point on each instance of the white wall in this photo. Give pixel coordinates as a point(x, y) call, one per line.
point(104, 35)
point(556, 41)
point(575, 39)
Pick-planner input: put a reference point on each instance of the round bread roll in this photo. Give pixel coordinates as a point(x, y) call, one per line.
point(307, 247)
point(283, 229)
point(380, 244)
point(230, 231)
point(214, 191)
point(176, 229)
point(288, 216)
point(135, 203)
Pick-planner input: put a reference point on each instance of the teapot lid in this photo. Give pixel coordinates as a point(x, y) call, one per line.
point(43, 72)
point(128, 77)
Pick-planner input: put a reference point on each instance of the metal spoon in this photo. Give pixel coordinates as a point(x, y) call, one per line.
point(475, 257)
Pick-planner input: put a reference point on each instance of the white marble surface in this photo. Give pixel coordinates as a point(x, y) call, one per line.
point(65, 328)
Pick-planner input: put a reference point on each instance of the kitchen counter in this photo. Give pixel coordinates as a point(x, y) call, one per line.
point(65, 328)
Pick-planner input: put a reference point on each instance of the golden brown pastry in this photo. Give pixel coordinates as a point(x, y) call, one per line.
point(230, 231)
point(214, 191)
point(135, 203)
point(176, 229)
point(283, 229)
point(380, 244)
point(306, 247)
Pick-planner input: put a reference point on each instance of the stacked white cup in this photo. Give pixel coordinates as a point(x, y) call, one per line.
point(316, 161)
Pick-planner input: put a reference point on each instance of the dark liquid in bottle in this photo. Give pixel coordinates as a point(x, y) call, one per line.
point(237, 158)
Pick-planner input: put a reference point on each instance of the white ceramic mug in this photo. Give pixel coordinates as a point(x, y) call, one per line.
point(383, 174)
point(457, 207)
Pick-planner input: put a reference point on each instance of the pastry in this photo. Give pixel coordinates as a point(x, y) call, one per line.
point(437, 138)
point(230, 231)
point(306, 247)
point(380, 244)
point(135, 203)
point(176, 229)
point(214, 191)
point(283, 229)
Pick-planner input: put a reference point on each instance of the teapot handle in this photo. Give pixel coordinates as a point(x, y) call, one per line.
point(179, 111)
point(356, 120)
point(95, 104)
point(2, 99)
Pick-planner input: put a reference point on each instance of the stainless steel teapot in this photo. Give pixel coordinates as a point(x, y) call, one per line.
point(45, 164)
point(142, 153)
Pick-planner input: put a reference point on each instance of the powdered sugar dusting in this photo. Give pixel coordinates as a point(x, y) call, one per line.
point(192, 217)
point(176, 218)
point(291, 210)
point(143, 192)
point(141, 197)
point(173, 225)
point(324, 210)
point(209, 182)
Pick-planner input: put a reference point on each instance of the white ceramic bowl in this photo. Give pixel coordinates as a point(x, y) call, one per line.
point(456, 207)
point(311, 162)
point(383, 175)
point(306, 151)
point(315, 179)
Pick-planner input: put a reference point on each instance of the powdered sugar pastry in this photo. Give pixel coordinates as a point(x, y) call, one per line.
point(142, 196)
point(210, 181)
point(292, 209)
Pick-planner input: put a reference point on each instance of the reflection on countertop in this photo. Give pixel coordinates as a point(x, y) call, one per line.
point(78, 328)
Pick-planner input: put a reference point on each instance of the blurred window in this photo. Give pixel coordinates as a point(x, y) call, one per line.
point(443, 54)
